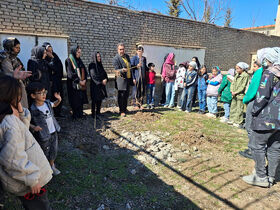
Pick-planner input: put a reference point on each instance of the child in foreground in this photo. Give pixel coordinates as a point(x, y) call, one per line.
point(43, 117)
point(24, 169)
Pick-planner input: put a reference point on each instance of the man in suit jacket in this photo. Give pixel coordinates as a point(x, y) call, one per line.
point(123, 79)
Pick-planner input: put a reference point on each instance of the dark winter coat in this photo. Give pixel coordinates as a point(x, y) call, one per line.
point(97, 75)
point(56, 69)
point(40, 69)
point(266, 108)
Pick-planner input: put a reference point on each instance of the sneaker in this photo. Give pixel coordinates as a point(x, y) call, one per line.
point(271, 181)
point(55, 171)
point(171, 106)
point(224, 120)
point(246, 153)
point(236, 125)
point(187, 111)
point(178, 107)
point(253, 179)
point(230, 122)
point(165, 106)
point(148, 106)
point(152, 106)
point(211, 115)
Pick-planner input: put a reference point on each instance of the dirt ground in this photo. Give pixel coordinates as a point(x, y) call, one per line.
point(101, 170)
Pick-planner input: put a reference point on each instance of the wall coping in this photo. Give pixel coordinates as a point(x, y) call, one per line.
point(34, 34)
point(170, 45)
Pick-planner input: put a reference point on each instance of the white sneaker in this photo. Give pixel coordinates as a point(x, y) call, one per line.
point(187, 111)
point(55, 171)
point(165, 106)
point(236, 125)
point(224, 120)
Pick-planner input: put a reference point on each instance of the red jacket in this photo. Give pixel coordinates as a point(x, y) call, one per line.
point(151, 77)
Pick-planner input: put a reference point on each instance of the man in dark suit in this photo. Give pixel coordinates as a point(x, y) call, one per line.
point(123, 79)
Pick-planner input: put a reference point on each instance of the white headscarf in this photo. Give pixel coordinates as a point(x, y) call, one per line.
point(243, 65)
point(270, 54)
point(193, 64)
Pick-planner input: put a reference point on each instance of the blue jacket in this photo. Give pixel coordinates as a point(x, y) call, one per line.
point(201, 82)
point(135, 72)
point(191, 78)
point(39, 119)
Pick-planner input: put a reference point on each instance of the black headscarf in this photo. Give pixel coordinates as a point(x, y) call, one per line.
point(9, 43)
point(79, 61)
point(38, 52)
point(99, 65)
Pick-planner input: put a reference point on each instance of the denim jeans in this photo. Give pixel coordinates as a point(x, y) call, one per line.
point(202, 99)
point(260, 140)
point(187, 98)
point(179, 96)
point(212, 104)
point(227, 109)
point(170, 93)
point(150, 94)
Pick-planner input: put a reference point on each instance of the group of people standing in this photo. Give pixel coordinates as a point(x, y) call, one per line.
point(27, 158)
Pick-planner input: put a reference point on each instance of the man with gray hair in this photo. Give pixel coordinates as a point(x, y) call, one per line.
point(123, 78)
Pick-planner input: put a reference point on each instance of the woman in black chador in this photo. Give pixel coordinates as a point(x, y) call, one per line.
point(76, 82)
point(98, 83)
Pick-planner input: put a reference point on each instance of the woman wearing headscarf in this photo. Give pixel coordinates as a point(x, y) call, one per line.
point(266, 123)
point(169, 76)
point(76, 82)
point(56, 75)
point(238, 88)
point(11, 65)
point(98, 83)
point(163, 95)
point(39, 68)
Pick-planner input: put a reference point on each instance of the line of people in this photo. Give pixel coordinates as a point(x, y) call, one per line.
point(27, 158)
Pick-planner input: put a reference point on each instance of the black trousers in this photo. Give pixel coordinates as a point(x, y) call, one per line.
point(140, 91)
point(38, 203)
point(123, 99)
point(95, 107)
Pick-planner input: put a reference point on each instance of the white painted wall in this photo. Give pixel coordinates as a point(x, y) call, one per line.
point(156, 54)
point(28, 42)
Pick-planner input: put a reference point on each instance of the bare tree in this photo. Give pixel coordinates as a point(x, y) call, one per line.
point(208, 11)
point(228, 18)
point(122, 3)
point(174, 7)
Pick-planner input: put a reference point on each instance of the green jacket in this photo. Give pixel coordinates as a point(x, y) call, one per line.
point(225, 90)
point(239, 84)
point(253, 87)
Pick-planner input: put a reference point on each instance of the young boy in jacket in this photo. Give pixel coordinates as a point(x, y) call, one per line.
point(238, 88)
point(42, 116)
point(190, 85)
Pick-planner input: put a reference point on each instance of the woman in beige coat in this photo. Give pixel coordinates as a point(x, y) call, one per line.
point(24, 169)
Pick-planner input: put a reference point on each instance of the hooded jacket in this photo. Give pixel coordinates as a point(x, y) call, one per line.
point(22, 161)
point(266, 108)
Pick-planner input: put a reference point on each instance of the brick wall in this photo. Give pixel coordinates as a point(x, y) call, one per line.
point(100, 27)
